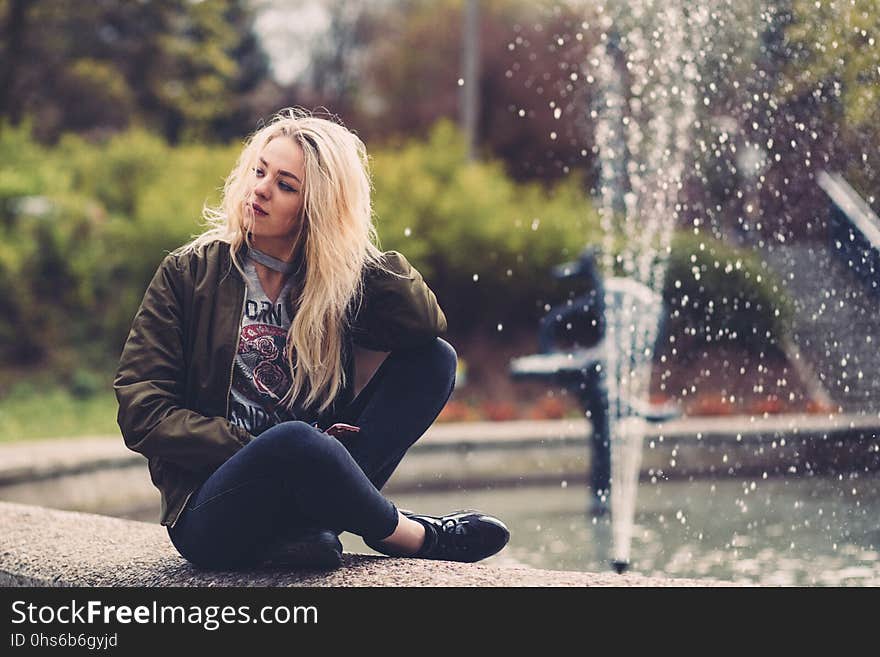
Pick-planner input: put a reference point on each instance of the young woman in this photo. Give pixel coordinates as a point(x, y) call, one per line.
point(280, 366)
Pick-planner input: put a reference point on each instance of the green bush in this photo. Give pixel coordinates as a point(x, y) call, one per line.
point(23, 169)
point(716, 293)
point(485, 243)
point(85, 225)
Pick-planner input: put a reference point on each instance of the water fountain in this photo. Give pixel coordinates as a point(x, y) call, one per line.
point(700, 126)
point(644, 69)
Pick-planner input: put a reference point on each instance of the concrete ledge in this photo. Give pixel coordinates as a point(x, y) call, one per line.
point(45, 547)
point(99, 475)
point(465, 452)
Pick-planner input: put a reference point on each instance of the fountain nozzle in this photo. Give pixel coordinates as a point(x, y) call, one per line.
point(619, 566)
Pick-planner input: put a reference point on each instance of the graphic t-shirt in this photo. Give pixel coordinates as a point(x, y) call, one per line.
point(261, 375)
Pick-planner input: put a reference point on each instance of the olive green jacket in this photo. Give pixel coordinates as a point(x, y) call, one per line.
point(175, 372)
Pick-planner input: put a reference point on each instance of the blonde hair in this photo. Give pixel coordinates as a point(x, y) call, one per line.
point(337, 241)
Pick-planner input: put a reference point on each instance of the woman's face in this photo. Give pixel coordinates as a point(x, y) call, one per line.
point(277, 184)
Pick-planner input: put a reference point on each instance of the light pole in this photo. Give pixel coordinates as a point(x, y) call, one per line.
point(469, 99)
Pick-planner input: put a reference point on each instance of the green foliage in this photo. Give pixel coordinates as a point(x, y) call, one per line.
point(85, 225)
point(86, 383)
point(31, 411)
point(83, 229)
point(28, 177)
point(179, 66)
point(486, 243)
point(833, 66)
point(836, 45)
point(716, 293)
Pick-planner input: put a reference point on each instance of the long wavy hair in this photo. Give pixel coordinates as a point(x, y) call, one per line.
point(338, 243)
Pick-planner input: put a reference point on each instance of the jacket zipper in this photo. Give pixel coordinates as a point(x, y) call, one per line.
point(235, 350)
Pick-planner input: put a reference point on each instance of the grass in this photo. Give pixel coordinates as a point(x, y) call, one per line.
point(29, 412)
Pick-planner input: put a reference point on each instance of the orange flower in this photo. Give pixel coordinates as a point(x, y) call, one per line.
point(548, 408)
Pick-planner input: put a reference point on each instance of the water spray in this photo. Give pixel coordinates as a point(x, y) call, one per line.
point(647, 52)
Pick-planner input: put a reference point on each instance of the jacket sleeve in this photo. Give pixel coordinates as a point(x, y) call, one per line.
point(396, 312)
point(150, 380)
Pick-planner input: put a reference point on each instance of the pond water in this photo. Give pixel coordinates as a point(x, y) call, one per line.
point(794, 531)
point(801, 531)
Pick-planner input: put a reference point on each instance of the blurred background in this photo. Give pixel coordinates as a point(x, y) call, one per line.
point(120, 119)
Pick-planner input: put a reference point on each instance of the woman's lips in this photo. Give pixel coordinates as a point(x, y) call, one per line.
point(258, 209)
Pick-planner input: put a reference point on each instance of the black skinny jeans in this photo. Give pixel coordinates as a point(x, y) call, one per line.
point(293, 475)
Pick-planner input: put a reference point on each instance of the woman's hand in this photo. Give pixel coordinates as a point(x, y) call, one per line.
point(342, 430)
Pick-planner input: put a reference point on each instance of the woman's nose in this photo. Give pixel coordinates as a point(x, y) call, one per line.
point(262, 188)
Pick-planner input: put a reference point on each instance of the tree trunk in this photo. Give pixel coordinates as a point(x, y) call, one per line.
point(13, 37)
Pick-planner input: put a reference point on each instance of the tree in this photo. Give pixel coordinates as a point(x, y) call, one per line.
point(178, 66)
point(833, 69)
point(532, 99)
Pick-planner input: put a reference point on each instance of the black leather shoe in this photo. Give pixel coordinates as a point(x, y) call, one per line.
point(466, 536)
point(307, 548)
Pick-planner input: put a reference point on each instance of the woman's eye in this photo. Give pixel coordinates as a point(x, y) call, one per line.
point(259, 173)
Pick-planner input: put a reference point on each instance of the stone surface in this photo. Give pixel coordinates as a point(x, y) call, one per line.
point(489, 450)
point(39, 546)
point(99, 475)
point(45, 547)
